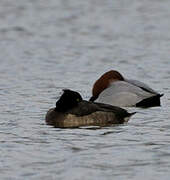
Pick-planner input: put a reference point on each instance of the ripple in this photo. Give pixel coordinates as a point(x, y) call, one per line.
point(46, 47)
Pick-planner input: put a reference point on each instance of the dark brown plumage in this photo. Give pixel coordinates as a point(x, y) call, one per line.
point(71, 111)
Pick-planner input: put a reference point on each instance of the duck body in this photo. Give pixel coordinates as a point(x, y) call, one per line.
point(124, 92)
point(86, 113)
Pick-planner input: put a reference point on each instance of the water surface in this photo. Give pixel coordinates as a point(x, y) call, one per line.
point(48, 46)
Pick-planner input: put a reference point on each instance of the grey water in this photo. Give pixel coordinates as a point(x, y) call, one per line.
point(46, 46)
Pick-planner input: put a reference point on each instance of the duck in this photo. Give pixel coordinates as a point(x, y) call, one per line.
point(112, 88)
point(72, 111)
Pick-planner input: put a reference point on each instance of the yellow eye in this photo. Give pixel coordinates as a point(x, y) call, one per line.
point(78, 100)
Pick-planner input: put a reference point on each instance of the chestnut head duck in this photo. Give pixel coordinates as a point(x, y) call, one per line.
point(72, 111)
point(112, 88)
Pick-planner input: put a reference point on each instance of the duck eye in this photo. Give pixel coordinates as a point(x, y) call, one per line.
point(77, 99)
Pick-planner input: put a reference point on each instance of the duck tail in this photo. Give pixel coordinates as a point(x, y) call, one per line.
point(160, 95)
point(131, 114)
point(150, 102)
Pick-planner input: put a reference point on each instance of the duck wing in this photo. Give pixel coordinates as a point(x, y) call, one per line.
point(141, 85)
point(86, 108)
point(117, 110)
point(122, 93)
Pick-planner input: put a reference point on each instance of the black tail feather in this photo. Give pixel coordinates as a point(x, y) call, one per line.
point(131, 114)
point(150, 102)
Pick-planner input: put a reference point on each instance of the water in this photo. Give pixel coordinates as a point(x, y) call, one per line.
point(50, 45)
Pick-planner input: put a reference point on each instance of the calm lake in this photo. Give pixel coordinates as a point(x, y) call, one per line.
point(46, 46)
